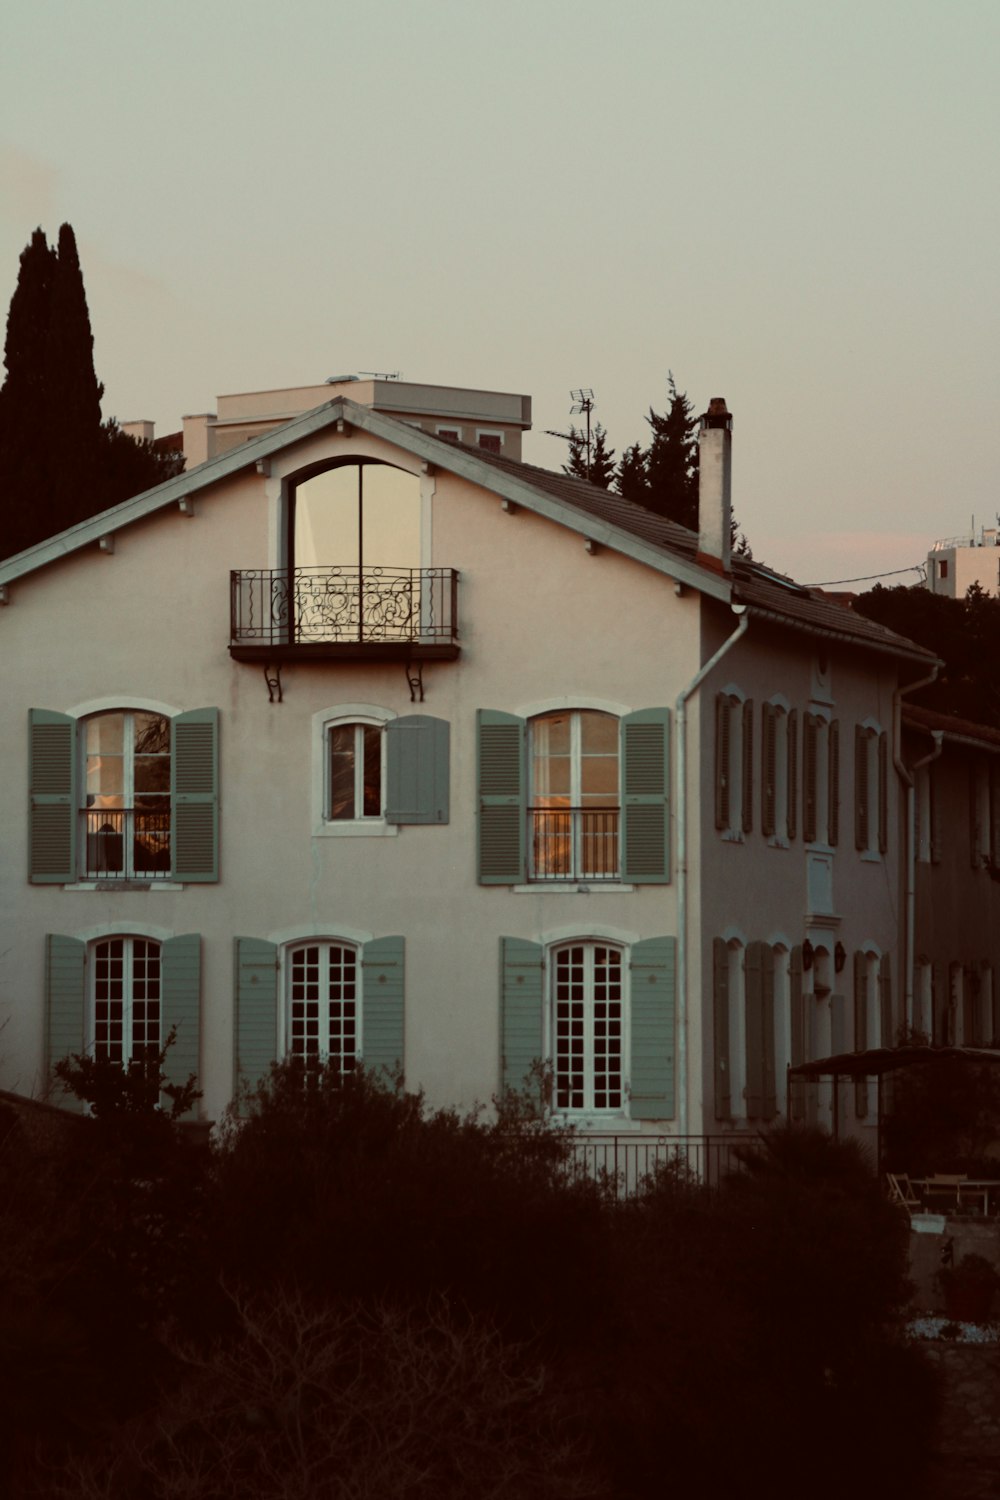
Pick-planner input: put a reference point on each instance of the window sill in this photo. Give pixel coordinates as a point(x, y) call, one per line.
point(731, 835)
point(778, 841)
point(356, 828)
point(871, 856)
point(572, 888)
point(124, 885)
point(594, 1124)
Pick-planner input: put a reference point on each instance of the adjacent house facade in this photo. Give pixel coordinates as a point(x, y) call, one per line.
point(358, 741)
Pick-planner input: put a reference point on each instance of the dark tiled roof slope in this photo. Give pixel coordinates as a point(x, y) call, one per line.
point(916, 717)
point(760, 588)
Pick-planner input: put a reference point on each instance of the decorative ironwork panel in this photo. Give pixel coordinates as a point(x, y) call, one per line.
point(311, 606)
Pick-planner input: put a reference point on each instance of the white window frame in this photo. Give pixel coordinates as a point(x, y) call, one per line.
point(588, 1114)
point(330, 718)
point(324, 942)
point(576, 759)
point(127, 873)
point(128, 939)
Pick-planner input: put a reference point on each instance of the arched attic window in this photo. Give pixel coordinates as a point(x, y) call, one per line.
point(359, 514)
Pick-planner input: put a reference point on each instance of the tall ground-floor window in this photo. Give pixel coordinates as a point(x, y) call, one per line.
point(323, 1009)
point(587, 1026)
point(126, 999)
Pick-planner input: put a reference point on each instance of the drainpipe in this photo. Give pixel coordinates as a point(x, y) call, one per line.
point(905, 775)
point(681, 715)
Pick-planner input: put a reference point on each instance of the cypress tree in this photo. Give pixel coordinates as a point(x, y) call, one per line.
point(23, 409)
point(73, 395)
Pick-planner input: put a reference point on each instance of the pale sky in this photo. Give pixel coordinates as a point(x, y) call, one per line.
point(791, 204)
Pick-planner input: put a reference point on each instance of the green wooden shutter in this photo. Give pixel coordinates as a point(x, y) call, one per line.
point(522, 971)
point(770, 1102)
point(975, 834)
point(833, 783)
point(194, 796)
point(645, 759)
point(793, 772)
point(939, 1007)
point(886, 1023)
point(860, 1028)
point(754, 1026)
point(860, 787)
point(256, 1031)
point(723, 746)
point(653, 1006)
point(65, 1000)
point(417, 756)
point(383, 965)
point(747, 788)
point(797, 1030)
point(970, 1007)
point(883, 792)
point(53, 799)
point(502, 797)
point(810, 733)
point(720, 1011)
point(180, 972)
point(994, 814)
point(768, 768)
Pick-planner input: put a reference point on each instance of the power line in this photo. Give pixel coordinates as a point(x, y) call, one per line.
point(865, 578)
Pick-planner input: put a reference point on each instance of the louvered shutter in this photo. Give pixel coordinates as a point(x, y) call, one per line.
point(770, 1108)
point(768, 768)
point(645, 760)
point(720, 1011)
point(180, 974)
point(256, 1030)
point(797, 1089)
point(652, 969)
point(883, 792)
point(860, 1029)
point(194, 796)
point(754, 1025)
point(417, 756)
point(995, 814)
point(939, 1007)
point(723, 745)
point(861, 809)
point(53, 800)
point(793, 772)
point(970, 1007)
point(993, 1012)
point(747, 789)
point(838, 1044)
point(975, 829)
point(502, 797)
point(522, 1012)
point(383, 1007)
point(833, 783)
point(887, 1026)
point(65, 1004)
point(810, 732)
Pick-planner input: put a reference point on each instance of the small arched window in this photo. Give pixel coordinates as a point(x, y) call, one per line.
point(357, 515)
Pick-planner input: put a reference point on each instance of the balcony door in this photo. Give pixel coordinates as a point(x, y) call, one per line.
point(354, 553)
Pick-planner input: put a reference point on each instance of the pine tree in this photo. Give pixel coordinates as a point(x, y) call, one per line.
point(602, 459)
point(631, 479)
point(577, 465)
point(672, 460)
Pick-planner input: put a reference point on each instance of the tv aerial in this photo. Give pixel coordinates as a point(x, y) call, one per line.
point(584, 402)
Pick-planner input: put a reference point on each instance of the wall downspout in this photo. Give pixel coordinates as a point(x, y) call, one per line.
point(906, 777)
point(682, 859)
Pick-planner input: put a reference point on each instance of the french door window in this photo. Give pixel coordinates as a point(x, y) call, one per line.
point(126, 999)
point(587, 1024)
point(323, 1008)
point(127, 789)
point(575, 796)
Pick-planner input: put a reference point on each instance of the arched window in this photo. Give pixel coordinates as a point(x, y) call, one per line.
point(588, 1017)
point(323, 1005)
point(126, 780)
point(574, 796)
point(125, 1015)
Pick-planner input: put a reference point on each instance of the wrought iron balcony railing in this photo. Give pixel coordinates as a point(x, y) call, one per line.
point(574, 843)
point(125, 843)
point(344, 607)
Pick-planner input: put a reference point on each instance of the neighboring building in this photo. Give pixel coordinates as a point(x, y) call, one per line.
point(957, 562)
point(357, 741)
point(955, 880)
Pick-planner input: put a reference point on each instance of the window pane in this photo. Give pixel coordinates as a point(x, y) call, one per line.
point(152, 773)
point(373, 770)
point(105, 734)
point(105, 780)
point(552, 734)
point(598, 733)
point(342, 771)
point(599, 774)
point(151, 734)
point(326, 519)
point(391, 506)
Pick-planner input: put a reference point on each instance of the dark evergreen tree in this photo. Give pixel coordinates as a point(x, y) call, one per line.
point(602, 459)
point(60, 464)
point(631, 479)
point(577, 465)
point(672, 460)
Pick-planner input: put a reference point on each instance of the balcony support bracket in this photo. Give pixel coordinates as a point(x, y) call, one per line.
point(272, 676)
point(415, 680)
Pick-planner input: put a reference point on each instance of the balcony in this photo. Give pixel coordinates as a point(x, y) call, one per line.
point(125, 843)
point(574, 843)
point(333, 613)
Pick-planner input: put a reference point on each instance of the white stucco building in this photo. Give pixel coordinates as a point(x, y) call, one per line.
point(358, 741)
point(955, 563)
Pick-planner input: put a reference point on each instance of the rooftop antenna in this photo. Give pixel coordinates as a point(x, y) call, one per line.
point(382, 374)
point(583, 402)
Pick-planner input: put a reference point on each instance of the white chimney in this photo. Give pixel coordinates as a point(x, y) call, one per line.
point(715, 466)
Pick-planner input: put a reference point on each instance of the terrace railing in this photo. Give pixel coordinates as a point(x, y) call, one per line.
point(125, 843)
point(346, 605)
point(625, 1162)
point(574, 843)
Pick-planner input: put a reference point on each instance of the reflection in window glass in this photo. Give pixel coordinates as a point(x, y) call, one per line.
point(358, 515)
point(127, 794)
point(355, 772)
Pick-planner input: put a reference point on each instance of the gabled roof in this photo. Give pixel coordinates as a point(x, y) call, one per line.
point(960, 731)
point(592, 512)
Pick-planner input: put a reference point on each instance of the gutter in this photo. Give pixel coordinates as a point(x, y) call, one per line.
point(682, 863)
